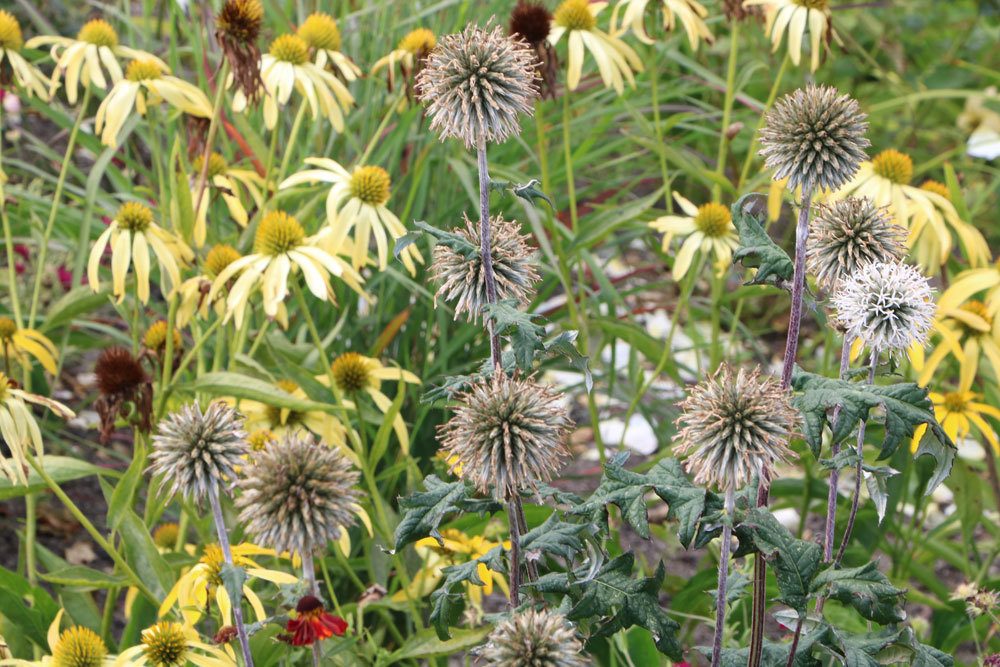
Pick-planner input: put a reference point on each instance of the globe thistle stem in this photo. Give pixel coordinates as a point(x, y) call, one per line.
point(515, 553)
point(309, 572)
point(720, 603)
point(227, 555)
point(484, 247)
point(831, 497)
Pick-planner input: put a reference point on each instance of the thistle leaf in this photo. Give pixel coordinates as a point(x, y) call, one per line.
point(757, 250)
point(424, 511)
point(795, 561)
point(865, 589)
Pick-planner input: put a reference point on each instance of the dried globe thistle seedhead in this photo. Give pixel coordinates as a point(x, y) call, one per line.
point(476, 83)
point(735, 427)
point(462, 281)
point(237, 28)
point(506, 434)
point(298, 494)
point(197, 451)
point(887, 305)
point(814, 137)
point(849, 234)
point(533, 638)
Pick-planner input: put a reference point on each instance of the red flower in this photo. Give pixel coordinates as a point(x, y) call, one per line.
point(312, 624)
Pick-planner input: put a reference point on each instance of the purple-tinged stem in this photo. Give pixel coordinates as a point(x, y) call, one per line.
point(227, 555)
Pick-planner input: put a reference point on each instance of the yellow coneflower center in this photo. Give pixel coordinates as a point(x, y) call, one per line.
point(937, 188)
point(260, 439)
point(320, 31)
point(290, 49)
point(166, 534)
point(240, 20)
point(370, 185)
point(7, 328)
point(218, 258)
point(351, 372)
point(893, 165)
point(214, 559)
point(98, 32)
point(812, 4)
point(217, 165)
point(79, 647)
point(278, 233)
point(420, 40)
point(10, 32)
point(156, 336)
point(165, 644)
point(143, 70)
point(979, 309)
point(574, 15)
point(956, 401)
point(134, 217)
point(713, 219)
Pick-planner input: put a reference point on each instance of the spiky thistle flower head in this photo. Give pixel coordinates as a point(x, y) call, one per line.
point(533, 638)
point(506, 434)
point(298, 494)
point(847, 235)
point(734, 427)
point(476, 83)
point(462, 281)
point(814, 137)
point(887, 305)
point(197, 450)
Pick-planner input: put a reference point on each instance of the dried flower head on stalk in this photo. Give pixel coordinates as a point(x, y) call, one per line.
point(463, 283)
point(735, 427)
point(476, 83)
point(297, 494)
point(887, 305)
point(196, 451)
point(121, 381)
point(237, 28)
point(533, 639)
point(849, 234)
point(814, 137)
point(506, 434)
point(531, 22)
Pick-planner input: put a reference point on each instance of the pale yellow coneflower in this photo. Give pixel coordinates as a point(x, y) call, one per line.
point(13, 67)
point(616, 61)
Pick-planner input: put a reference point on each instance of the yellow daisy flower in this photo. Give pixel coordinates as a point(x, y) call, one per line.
point(959, 413)
point(709, 229)
point(131, 235)
point(146, 82)
point(969, 333)
point(194, 291)
point(458, 548)
point(229, 183)
point(356, 374)
point(82, 61)
point(357, 201)
point(282, 421)
point(930, 239)
point(281, 245)
point(982, 123)
point(690, 13)
point(76, 645)
point(286, 67)
point(168, 644)
point(17, 343)
point(19, 428)
point(797, 16)
point(577, 19)
point(24, 73)
point(971, 282)
point(408, 54)
point(322, 36)
point(203, 582)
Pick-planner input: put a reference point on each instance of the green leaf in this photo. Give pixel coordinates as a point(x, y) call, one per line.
point(78, 301)
point(237, 385)
point(460, 244)
point(865, 589)
point(233, 578)
point(27, 607)
point(565, 344)
point(142, 554)
point(448, 600)
point(906, 407)
point(525, 336)
point(121, 499)
point(627, 490)
point(80, 576)
point(757, 250)
point(425, 510)
point(795, 561)
point(426, 644)
point(555, 537)
point(61, 469)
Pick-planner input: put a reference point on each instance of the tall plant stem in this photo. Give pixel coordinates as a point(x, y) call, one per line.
point(859, 473)
point(227, 555)
point(568, 157)
point(8, 238)
point(727, 110)
point(831, 497)
point(485, 252)
point(43, 250)
point(293, 136)
point(658, 130)
point(309, 571)
point(515, 553)
point(720, 603)
point(759, 607)
point(213, 128)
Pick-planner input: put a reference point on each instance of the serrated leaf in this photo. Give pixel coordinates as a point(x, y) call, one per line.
point(425, 510)
point(565, 344)
point(757, 250)
point(448, 601)
point(525, 336)
point(865, 589)
point(233, 578)
point(860, 650)
point(556, 537)
point(906, 407)
point(456, 242)
point(795, 561)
